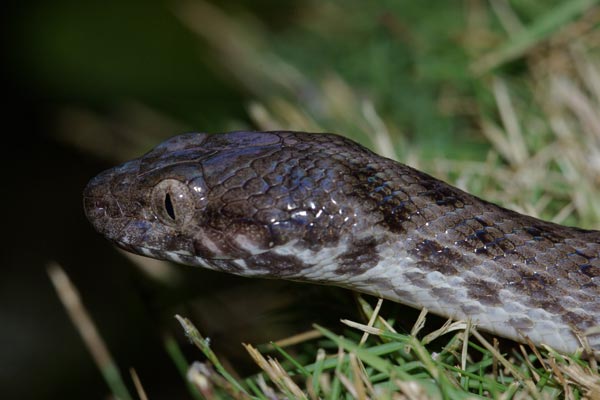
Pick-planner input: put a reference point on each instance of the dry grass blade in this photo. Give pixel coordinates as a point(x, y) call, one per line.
point(298, 338)
point(560, 378)
point(382, 139)
point(358, 378)
point(138, 384)
point(582, 377)
point(448, 326)
point(71, 300)
point(276, 373)
point(419, 323)
point(238, 48)
point(370, 330)
point(507, 17)
point(515, 149)
point(347, 384)
point(464, 354)
point(372, 320)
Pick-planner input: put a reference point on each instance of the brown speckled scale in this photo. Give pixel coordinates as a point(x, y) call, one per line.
point(321, 208)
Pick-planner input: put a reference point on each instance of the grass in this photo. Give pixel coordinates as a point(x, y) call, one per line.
point(370, 361)
point(383, 364)
point(527, 77)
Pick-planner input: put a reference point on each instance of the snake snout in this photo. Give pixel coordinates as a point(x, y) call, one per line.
point(101, 208)
point(103, 199)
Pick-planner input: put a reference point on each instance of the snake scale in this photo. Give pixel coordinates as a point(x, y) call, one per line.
point(321, 208)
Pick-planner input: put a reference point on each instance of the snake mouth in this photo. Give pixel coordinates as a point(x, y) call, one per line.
point(177, 256)
point(140, 250)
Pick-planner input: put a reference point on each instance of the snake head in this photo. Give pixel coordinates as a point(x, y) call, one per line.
point(208, 199)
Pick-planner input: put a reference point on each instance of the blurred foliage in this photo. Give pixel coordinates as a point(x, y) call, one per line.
point(412, 61)
point(405, 57)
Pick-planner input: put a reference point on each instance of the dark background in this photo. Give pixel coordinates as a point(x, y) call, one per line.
point(90, 84)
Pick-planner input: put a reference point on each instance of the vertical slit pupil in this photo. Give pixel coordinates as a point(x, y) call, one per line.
point(169, 206)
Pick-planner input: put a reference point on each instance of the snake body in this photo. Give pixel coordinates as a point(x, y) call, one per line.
point(321, 208)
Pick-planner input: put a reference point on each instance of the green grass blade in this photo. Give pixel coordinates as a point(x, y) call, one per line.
point(174, 351)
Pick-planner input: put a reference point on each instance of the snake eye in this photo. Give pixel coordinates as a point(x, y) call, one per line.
point(172, 202)
point(169, 206)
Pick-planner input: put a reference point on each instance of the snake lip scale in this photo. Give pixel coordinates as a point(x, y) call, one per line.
point(321, 208)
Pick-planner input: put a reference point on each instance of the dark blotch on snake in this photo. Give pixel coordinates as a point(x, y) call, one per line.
point(361, 256)
point(485, 292)
point(277, 265)
point(432, 256)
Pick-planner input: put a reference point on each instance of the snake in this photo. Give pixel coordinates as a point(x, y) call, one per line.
point(321, 208)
